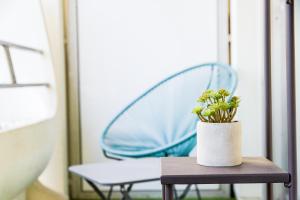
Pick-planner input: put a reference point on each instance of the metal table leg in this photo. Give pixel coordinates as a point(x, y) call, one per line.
point(163, 192)
point(96, 189)
point(125, 192)
point(168, 192)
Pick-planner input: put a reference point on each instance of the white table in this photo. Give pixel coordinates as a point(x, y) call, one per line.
point(123, 173)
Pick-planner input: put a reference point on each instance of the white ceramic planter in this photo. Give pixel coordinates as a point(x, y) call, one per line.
point(219, 144)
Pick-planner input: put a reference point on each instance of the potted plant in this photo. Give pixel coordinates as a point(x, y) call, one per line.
point(218, 134)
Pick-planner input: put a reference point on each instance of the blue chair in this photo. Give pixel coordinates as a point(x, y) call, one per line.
point(159, 122)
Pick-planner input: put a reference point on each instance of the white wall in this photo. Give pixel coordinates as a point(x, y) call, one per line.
point(130, 51)
point(248, 58)
point(132, 45)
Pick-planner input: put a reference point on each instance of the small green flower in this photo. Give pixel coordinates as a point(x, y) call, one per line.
point(202, 99)
point(217, 107)
point(235, 99)
point(224, 106)
point(223, 93)
point(234, 102)
point(216, 96)
point(214, 106)
point(207, 92)
point(197, 110)
point(209, 112)
point(205, 96)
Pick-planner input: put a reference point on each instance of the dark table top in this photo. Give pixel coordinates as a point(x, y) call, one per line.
point(185, 170)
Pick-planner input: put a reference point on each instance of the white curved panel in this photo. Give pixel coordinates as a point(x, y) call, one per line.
point(24, 152)
point(21, 22)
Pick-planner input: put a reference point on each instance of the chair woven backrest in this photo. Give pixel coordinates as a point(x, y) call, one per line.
point(160, 121)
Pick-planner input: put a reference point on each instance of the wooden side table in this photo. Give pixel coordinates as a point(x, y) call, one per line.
point(185, 170)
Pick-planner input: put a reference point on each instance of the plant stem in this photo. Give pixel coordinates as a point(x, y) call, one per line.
point(202, 118)
point(233, 114)
point(211, 119)
point(227, 116)
point(223, 116)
